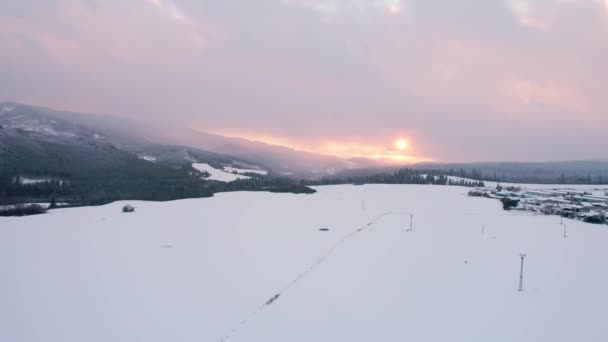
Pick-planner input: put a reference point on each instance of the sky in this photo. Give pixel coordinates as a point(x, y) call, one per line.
point(401, 80)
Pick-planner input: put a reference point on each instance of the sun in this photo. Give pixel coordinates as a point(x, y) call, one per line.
point(401, 144)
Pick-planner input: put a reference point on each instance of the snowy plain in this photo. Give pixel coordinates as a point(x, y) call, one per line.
point(204, 269)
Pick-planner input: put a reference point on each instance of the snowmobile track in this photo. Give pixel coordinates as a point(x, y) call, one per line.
point(292, 283)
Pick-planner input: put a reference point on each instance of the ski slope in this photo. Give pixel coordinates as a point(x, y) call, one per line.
point(211, 269)
point(217, 174)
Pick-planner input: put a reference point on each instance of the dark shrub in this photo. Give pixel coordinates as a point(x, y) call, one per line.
point(292, 188)
point(597, 219)
point(23, 210)
point(509, 203)
point(477, 193)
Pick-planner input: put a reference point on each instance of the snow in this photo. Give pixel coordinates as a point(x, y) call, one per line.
point(25, 180)
point(13, 206)
point(40, 128)
point(42, 204)
point(148, 157)
point(216, 174)
point(7, 108)
point(96, 274)
point(237, 170)
point(28, 180)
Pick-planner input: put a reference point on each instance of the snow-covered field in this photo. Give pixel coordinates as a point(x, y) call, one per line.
point(217, 174)
point(148, 157)
point(202, 270)
point(227, 174)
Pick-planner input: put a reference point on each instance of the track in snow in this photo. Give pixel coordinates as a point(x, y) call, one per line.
point(292, 283)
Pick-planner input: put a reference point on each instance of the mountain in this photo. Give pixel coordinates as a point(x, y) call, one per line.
point(282, 161)
point(141, 137)
point(82, 159)
point(47, 166)
point(88, 159)
point(41, 135)
point(37, 124)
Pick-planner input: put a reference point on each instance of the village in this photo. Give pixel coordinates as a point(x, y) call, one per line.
point(588, 205)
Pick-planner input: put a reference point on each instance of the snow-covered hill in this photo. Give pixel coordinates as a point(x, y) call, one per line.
point(217, 174)
point(38, 143)
point(147, 138)
point(211, 269)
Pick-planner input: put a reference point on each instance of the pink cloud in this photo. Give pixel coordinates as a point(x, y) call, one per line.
point(436, 73)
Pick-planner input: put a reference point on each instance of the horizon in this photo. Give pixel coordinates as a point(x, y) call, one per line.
point(383, 163)
point(277, 143)
point(394, 81)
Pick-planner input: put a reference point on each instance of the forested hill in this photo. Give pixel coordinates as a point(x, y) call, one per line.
point(85, 171)
point(48, 157)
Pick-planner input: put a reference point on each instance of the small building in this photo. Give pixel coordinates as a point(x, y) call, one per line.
point(571, 210)
point(544, 193)
point(590, 198)
point(569, 192)
point(555, 201)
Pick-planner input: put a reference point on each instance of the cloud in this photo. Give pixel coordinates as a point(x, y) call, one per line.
point(124, 32)
point(62, 49)
point(337, 6)
point(170, 10)
point(527, 16)
point(457, 78)
point(547, 94)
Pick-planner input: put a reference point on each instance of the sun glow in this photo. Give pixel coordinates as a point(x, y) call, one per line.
point(391, 152)
point(394, 9)
point(354, 150)
point(401, 144)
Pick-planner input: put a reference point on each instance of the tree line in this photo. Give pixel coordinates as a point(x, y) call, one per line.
point(405, 176)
